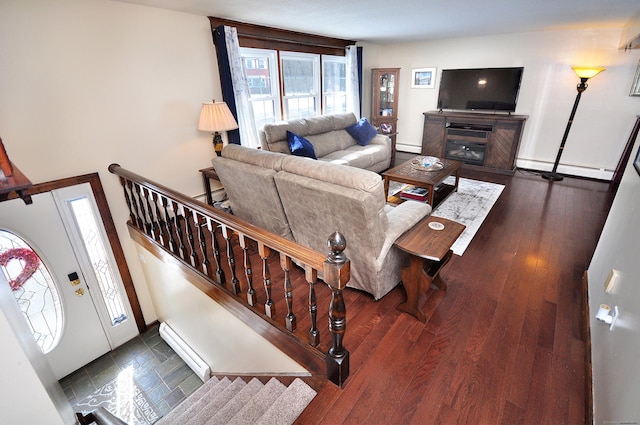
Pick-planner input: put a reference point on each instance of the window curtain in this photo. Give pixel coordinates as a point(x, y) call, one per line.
point(354, 76)
point(235, 88)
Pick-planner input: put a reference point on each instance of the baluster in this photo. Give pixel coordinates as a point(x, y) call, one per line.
point(290, 318)
point(311, 275)
point(162, 231)
point(202, 222)
point(188, 221)
point(138, 221)
point(248, 272)
point(153, 221)
point(336, 275)
point(220, 277)
point(176, 222)
point(264, 251)
point(147, 226)
point(127, 199)
point(169, 221)
point(231, 259)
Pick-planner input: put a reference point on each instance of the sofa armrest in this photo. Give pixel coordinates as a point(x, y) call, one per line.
point(381, 139)
point(402, 218)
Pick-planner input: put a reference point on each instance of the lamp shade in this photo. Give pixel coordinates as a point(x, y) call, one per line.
point(585, 72)
point(216, 116)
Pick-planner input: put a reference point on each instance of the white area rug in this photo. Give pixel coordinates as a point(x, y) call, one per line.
point(470, 205)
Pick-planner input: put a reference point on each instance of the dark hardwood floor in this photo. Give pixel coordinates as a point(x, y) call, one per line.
point(504, 344)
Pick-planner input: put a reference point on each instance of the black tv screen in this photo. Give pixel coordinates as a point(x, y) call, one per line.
point(480, 89)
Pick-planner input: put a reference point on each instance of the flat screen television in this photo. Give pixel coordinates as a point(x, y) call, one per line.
point(480, 89)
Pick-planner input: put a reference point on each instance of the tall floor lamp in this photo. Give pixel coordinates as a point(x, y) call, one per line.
point(584, 74)
point(216, 117)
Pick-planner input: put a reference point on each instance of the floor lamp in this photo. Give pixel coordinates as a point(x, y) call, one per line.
point(584, 74)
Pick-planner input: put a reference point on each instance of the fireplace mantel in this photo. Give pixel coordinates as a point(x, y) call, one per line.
point(496, 137)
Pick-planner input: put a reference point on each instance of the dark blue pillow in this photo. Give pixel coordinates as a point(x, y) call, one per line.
point(300, 146)
point(362, 131)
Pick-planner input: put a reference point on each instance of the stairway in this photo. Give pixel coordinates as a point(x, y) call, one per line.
point(222, 401)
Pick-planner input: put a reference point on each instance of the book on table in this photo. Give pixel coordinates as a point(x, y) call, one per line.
point(415, 193)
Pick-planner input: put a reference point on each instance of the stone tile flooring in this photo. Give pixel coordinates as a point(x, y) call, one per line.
point(157, 370)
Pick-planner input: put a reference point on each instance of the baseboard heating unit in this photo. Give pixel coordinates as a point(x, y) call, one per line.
point(185, 352)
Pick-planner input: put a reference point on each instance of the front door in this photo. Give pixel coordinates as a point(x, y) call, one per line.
point(80, 336)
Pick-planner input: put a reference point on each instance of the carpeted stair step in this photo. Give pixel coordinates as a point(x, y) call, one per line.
point(239, 403)
point(234, 405)
point(289, 405)
point(255, 408)
point(213, 404)
point(197, 399)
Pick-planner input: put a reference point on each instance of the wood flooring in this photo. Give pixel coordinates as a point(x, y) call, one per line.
point(504, 344)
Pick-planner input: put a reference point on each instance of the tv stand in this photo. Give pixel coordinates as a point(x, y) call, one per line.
point(483, 141)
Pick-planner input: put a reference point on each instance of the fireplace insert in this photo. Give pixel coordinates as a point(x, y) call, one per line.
point(467, 152)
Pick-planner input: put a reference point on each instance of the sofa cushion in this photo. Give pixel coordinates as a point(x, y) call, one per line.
point(331, 141)
point(299, 146)
point(362, 131)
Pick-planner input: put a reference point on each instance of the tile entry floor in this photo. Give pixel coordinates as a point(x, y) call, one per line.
point(156, 368)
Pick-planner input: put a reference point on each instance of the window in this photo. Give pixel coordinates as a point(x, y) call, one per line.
point(295, 87)
point(334, 84)
point(264, 86)
point(34, 289)
point(301, 82)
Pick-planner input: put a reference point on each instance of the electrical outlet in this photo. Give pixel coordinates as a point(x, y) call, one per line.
point(611, 281)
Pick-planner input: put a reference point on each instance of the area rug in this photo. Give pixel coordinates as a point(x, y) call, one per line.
point(470, 205)
point(124, 398)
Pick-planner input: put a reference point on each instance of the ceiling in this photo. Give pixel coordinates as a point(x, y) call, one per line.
point(392, 21)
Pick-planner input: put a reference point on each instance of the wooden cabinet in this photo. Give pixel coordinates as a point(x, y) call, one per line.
point(486, 141)
point(384, 103)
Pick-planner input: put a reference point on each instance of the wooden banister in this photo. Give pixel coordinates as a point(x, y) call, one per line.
point(211, 244)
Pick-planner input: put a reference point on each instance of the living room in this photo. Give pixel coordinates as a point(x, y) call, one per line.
point(114, 82)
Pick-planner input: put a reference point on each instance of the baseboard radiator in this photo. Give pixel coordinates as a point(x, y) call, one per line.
point(185, 352)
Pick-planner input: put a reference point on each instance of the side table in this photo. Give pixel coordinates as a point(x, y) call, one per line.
point(428, 244)
point(208, 174)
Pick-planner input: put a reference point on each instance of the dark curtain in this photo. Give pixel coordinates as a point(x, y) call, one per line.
point(359, 52)
point(233, 136)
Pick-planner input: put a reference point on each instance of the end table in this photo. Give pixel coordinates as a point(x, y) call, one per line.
point(428, 244)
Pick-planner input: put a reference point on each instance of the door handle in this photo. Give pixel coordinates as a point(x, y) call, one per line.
point(80, 292)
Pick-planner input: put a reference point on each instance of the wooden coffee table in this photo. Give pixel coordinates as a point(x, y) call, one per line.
point(429, 249)
point(430, 180)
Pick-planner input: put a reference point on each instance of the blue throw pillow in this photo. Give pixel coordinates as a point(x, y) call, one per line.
point(300, 146)
point(362, 131)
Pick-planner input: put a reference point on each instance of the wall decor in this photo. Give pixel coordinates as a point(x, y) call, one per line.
point(635, 87)
point(423, 78)
point(636, 162)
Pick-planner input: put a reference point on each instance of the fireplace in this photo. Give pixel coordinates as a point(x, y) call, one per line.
point(467, 152)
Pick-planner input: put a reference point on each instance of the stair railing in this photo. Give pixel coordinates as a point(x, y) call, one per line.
point(207, 241)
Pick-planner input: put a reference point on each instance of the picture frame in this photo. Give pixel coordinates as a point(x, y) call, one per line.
point(423, 78)
point(635, 87)
point(636, 162)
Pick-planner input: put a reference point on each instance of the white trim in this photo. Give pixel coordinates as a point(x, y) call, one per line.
point(408, 148)
point(570, 170)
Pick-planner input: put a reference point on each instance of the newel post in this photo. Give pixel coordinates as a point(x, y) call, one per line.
point(336, 275)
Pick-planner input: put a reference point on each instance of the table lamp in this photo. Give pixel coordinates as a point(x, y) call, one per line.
point(216, 117)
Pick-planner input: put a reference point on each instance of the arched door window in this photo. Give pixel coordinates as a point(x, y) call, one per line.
point(33, 288)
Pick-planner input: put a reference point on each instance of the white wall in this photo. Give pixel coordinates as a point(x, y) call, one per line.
point(605, 115)
point(224, 342)
point(86, 83)
point(616, 375)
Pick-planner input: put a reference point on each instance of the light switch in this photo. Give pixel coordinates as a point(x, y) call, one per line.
point(610, 283)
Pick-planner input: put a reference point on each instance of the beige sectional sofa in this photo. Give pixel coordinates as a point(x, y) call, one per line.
point(306, 200)
point(331, 142)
